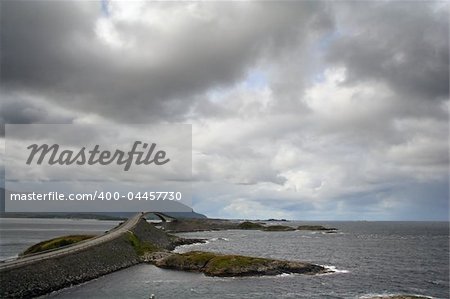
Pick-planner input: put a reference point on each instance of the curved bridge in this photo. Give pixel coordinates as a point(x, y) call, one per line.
point(25, 277)
point(162, 216)
point(126, 226)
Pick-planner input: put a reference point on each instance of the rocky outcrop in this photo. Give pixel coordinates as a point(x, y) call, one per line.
point(153, 257)
point(43, 276)
point(278, 228)
point(316, 228)
point(213, 264)
point(194, 225)
point(183, 241)
point(149, 233)
point(250, 225)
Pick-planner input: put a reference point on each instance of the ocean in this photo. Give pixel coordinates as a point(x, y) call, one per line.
point(370, 258)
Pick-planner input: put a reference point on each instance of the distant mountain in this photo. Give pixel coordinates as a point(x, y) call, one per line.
point(186, 215)
point(93, 215)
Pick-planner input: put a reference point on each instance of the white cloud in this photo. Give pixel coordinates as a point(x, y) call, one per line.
point(248, 209)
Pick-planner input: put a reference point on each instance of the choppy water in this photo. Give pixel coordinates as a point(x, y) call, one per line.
point(371, 258)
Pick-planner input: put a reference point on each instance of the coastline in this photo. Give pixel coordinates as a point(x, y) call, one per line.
point(120, 252)
point(257, 243)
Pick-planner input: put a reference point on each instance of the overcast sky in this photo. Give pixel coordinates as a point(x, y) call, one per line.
point(300, 110)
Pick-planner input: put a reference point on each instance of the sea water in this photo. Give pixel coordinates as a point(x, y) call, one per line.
point(369, 258)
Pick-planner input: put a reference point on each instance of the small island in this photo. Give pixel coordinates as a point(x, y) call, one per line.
point(55, 243)
point(215, 264)
point(316, 228)
point(248, 225)
point(278, 228)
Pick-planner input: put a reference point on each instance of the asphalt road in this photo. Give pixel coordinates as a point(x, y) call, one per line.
point(112, 234)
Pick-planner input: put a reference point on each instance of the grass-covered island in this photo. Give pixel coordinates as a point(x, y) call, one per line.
point(215, 264)
point(316, 228)
point(248, 225)
point(55, 243)
point(278, 228)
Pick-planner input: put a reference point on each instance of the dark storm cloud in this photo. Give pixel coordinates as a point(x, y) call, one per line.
point(21, 109)
point(27, 111)
point(55, 46)
point(401, 43)
point(37, 38)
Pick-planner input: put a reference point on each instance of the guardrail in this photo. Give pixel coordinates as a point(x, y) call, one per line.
point(110, 235)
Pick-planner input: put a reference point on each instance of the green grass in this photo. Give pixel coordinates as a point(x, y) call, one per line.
point(213, 264)
point(250, 225)
point(278, 228)
point(197, 257)
point(139, 246)
point(315, 228)
point(228, 262)
point(56, 243)
point(231, 265)
point(193, 261)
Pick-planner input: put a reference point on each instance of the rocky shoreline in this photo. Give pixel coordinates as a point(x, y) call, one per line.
point(196, 225)
point(225, 265)
point(144, 243)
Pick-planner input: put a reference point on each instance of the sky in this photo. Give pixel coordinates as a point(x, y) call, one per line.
point(299, 109)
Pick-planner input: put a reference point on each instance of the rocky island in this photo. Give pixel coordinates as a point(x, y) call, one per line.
point(278, 228)
point(316, 228)
point(215, 264)
point(248, 225)
point(55, 243)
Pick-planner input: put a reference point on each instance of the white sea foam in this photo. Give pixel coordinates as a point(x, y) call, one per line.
point(285, 274)
point(181, 248)
point(334, 269)
point(219, 239)
point(377, 295)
